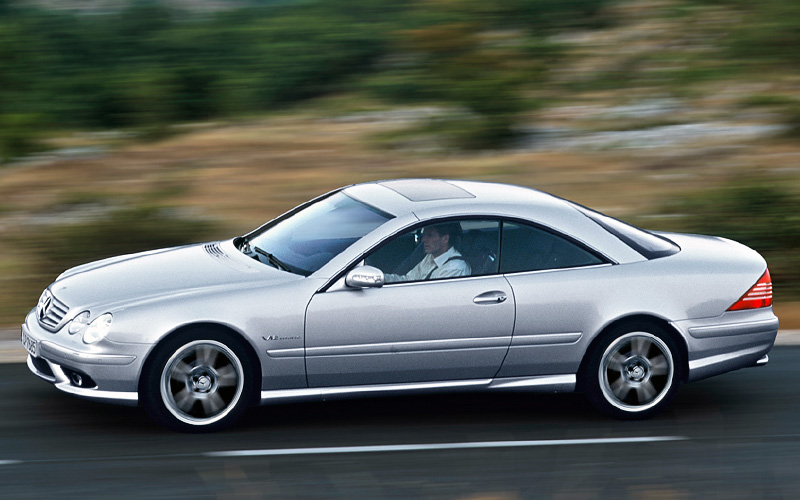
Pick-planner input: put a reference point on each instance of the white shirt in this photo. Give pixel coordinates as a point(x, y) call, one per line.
point(439, 265)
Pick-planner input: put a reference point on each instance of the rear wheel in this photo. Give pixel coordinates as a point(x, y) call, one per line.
point(634, 372)
point(199, 382)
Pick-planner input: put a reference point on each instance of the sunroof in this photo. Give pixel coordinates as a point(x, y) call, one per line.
point(427, 190)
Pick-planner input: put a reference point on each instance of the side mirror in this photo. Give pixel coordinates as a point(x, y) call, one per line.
point(364, 277)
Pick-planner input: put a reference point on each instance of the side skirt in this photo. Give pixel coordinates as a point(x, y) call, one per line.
point(545, 383)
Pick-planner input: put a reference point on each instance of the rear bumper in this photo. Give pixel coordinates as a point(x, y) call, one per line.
point(734, 340)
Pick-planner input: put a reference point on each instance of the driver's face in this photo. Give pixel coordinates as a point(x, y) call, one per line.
point(435, 243)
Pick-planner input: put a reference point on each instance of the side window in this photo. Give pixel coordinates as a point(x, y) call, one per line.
point(526, 248)
point(440, 250)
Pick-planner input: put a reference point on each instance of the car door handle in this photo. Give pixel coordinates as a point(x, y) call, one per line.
point(495, 297)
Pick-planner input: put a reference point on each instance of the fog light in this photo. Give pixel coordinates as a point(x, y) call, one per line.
point(78, 379)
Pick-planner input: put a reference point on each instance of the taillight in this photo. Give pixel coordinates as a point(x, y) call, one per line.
point(758, 296)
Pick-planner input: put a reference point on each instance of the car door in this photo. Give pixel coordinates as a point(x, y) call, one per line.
point(557, 284)
point(451, 329)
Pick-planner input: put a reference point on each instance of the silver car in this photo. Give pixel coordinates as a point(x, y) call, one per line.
point(406, 286)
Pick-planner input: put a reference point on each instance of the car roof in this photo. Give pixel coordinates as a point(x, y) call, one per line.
point(403, 196)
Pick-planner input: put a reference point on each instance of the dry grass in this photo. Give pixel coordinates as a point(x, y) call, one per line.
point(247, 173)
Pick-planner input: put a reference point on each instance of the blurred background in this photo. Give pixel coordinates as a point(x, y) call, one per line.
point(128, 125)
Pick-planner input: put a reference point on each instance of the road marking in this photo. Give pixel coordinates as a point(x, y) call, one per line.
point(438, 446)
point(394, 448)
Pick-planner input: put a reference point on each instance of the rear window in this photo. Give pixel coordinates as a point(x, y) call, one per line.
point(527, 248)
point(650, 245)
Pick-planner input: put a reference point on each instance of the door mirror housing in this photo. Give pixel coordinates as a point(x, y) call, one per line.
point(364, 277)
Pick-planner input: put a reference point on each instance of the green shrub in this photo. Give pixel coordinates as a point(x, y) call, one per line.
point(768, 101)
point(150, 66)
point(792, 121)
point(766, 33)
point(19, 135)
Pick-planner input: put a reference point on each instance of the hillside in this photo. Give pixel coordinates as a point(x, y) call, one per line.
point(615, 126)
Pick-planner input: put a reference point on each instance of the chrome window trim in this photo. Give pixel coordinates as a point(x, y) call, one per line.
point(441, 280)
point(559, 269)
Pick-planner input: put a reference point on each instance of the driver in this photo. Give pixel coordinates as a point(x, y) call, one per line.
point(441, 260)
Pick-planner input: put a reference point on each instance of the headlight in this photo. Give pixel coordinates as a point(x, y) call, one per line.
point(98, 329)
point(80, 322)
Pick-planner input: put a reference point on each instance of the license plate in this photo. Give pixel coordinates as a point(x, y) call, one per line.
point(30, 344)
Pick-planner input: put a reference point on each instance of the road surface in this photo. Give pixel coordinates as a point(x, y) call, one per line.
point(735, 436)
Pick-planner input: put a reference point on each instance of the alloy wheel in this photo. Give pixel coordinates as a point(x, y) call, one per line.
point(636, 371)
point(202, 382)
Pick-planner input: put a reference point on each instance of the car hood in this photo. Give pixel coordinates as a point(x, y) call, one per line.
point(144, 276)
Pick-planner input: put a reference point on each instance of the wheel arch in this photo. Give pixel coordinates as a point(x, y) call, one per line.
point(637, 319)
point(220, 328)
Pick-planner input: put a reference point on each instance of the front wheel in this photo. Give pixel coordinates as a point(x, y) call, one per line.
point(198, 383)
point(633, 373)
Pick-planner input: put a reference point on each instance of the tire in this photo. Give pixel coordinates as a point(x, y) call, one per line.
point(198, 381)
point(633, 372)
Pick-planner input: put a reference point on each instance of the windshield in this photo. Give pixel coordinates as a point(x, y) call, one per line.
point(307, 240)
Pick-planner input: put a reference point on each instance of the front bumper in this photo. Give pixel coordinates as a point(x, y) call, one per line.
point(66, 383)
point(86, 371)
